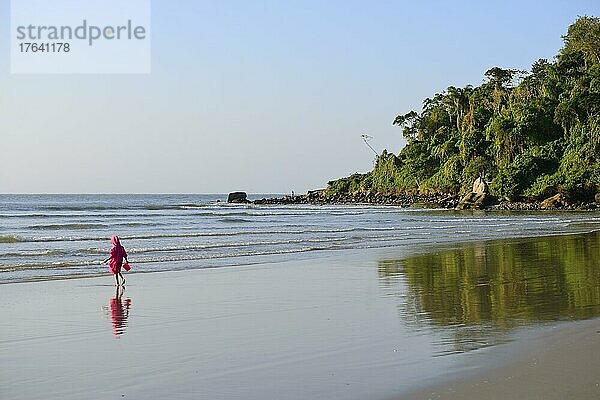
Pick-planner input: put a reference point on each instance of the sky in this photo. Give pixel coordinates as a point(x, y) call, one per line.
point(258, 96)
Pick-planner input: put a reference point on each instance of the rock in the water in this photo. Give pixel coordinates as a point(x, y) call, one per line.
point(480, 187)
point(556, 201)
point(597, 198)
point(237, 197)
point(479, 198)
point(475, 201)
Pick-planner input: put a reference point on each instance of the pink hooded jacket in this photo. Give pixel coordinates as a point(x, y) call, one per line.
point(117, 254)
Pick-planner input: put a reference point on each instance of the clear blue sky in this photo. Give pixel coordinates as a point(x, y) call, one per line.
point(261, 96)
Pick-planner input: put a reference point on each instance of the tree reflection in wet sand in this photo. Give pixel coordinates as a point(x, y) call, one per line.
point(480, 291)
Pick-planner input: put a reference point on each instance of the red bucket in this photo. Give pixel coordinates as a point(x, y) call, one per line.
point(126, 267)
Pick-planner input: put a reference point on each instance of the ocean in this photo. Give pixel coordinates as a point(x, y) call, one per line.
point(60, 236)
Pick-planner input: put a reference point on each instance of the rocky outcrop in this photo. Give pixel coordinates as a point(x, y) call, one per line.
point(479, 197)
point(557, 201)
point(475, 201)
point(403, 200)
point(480, 186)
point(597, 198)
point(237, 197)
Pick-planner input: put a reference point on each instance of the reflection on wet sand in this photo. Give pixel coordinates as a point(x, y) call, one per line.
point(479, 291)
point(119, 311)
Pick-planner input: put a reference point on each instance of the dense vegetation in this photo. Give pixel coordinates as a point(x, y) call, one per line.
point(531, 134)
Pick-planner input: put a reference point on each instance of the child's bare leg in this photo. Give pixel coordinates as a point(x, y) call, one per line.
point(122, 279)
point(117, 279)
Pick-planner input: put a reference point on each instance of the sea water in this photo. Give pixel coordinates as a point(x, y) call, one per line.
point(55, 236)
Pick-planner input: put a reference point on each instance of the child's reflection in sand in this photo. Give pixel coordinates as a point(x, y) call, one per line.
point(119, 311)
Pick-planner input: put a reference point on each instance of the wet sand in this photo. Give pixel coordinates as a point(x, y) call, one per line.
point(561, 364)
point(328, 328)
point(312, 329)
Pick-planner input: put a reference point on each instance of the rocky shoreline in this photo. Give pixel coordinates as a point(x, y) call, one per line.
point(447, 201)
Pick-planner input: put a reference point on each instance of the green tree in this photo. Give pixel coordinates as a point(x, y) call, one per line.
point(531, 134)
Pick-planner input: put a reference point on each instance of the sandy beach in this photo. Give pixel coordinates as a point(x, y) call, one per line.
point(296, 330)
point(324, 328)
point(562, 363)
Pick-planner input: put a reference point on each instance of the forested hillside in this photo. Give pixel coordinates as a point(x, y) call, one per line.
point(530, 134)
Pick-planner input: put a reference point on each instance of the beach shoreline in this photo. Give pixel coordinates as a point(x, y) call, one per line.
point(180, 330)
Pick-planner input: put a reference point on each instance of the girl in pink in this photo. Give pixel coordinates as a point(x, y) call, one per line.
point(117, 254)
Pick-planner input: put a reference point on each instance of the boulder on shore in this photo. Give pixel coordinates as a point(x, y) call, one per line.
point(479, 197)
point(480, 186)
point(237, 197)
point(557, 201)
point(475, 201)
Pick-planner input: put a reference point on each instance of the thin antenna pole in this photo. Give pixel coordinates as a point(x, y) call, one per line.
point(366, 139)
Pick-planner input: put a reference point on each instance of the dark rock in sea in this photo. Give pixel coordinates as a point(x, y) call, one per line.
point(367, 197)
point(237, 197)
point(597, 198)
